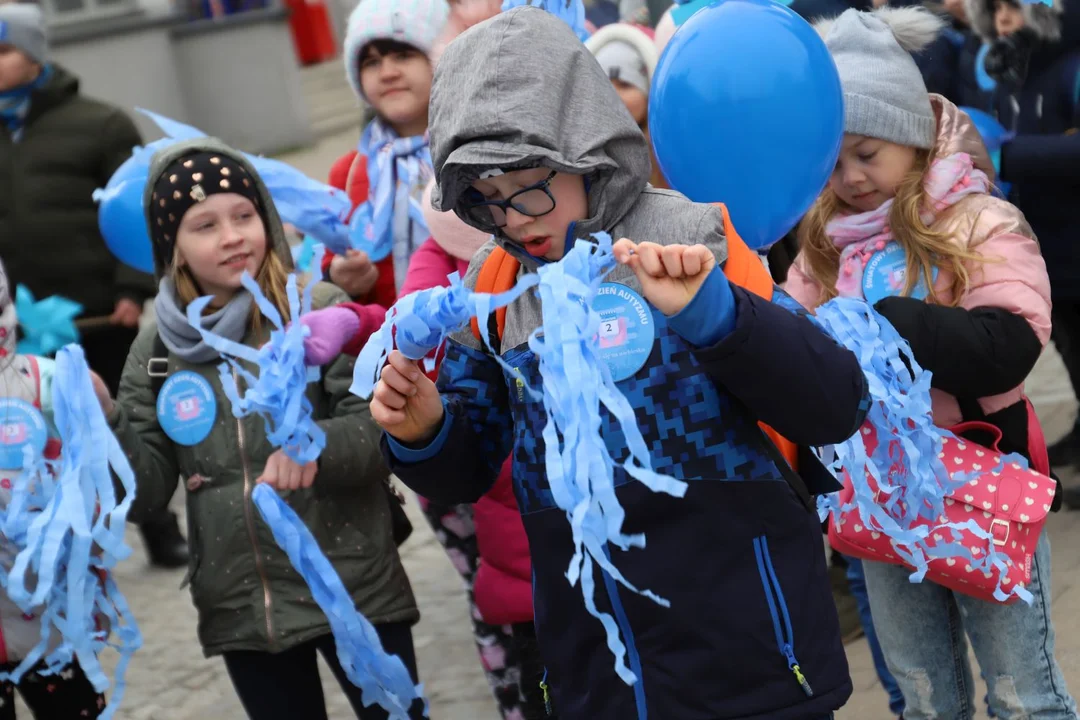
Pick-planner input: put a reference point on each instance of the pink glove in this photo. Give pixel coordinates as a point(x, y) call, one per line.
point(331, 329)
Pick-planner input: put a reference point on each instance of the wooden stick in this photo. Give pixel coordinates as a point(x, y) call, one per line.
point(93, 323)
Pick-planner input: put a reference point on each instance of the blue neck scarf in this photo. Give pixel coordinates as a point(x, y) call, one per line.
point(15, 104)
point(392, 221)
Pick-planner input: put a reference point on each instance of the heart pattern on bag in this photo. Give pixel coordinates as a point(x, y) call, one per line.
point(993, 506)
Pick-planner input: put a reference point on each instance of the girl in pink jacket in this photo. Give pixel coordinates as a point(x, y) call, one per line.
point(909, 223)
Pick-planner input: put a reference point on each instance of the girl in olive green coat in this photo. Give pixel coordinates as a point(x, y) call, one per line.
point(211, 219)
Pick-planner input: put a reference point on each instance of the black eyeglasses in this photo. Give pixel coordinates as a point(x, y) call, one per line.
point(533, 201)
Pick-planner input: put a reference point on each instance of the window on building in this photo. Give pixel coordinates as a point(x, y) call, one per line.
point(64, 11)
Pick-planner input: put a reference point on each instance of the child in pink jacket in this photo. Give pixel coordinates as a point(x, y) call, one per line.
point(909, 224)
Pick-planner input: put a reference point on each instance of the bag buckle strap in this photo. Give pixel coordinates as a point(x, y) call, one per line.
point(157, 367)
point(999, 530)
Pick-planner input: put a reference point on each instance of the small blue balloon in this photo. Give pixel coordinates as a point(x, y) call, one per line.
point(993, 133)
point(122, 220)
point(746, 109)
point(136, 168)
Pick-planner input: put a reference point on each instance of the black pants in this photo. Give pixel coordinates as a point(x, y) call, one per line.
point(67, 695)
point(106, 352)
point(286, 685)
point(1066, 336)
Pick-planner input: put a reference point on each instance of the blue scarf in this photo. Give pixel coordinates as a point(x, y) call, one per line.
point(15, 104)
point(392, 219)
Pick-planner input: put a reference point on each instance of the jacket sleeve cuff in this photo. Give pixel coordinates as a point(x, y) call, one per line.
point(371, 319)
point(709, 317)
point(411, 456)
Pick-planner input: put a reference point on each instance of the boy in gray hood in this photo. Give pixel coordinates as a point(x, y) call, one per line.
point(531, 142)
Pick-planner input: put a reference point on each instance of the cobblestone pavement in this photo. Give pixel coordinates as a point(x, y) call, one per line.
point(170, 679)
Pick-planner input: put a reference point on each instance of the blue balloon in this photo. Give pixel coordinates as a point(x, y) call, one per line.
point(136, 168)
point(993, 133)
point(746, 109)
point(122, 220)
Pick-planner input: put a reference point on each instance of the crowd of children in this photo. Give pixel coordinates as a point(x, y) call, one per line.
point(495, 140)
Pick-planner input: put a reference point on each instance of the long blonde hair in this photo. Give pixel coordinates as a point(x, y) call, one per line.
point(923, 247)
point(271, 278)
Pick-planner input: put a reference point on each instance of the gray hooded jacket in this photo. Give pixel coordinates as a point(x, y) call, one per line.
point(520, 90)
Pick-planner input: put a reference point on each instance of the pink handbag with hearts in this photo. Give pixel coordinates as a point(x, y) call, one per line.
point(1007, 501)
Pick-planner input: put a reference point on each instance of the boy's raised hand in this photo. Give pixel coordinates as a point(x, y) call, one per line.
point(405, 402)
point(670, 275)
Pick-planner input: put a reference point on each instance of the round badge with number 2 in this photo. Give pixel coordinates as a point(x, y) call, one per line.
point(627, 330)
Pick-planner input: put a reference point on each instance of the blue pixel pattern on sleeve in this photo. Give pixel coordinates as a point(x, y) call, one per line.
point(472, 385)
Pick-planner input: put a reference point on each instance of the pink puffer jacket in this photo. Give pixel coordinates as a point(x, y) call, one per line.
point(1014, 277)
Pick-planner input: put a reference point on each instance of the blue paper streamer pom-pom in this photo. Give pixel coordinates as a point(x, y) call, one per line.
point(65, 520)
point(906, 466)
point(278, 392)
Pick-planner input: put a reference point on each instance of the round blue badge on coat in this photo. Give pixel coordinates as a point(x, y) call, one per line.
point(21, 426)
point(187, 408)
point(886, 275)
point(626, 331)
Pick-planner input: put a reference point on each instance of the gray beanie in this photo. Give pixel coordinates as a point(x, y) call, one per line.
point(621, 61)
point(884, 93)
point(23, 27)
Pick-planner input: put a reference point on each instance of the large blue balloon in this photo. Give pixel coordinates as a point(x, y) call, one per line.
point(122, 221)
point(746, 109)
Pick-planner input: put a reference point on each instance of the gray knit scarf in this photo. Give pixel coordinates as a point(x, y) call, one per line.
point(230, 322)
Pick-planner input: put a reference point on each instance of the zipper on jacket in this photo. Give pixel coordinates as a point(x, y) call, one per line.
point(547, 696)
point(785, 637)
point(249, 518)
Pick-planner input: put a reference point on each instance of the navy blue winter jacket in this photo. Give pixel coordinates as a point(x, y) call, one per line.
point(1043, 161)
point(740, 557)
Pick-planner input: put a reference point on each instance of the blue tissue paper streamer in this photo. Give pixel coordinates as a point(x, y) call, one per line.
point(906, 465)
point(580, 469)
point(570, 11)
point(421, 321)
point(383, 678)
point(277, 393)
point(59, 512)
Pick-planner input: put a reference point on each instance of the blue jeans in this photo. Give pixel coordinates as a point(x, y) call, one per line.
point(922, 629)
point(857, 585)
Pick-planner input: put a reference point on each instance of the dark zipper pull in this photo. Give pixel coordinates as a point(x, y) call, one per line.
point(547, 697)
point(793, 665)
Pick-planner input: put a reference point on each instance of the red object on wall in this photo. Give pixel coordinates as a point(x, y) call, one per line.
point(312, 32)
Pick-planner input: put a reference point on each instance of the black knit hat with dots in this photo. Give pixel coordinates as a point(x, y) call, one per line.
point(188, 181)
